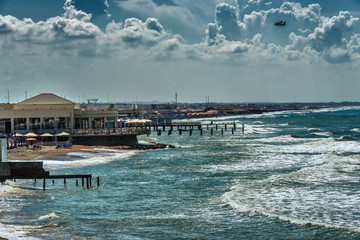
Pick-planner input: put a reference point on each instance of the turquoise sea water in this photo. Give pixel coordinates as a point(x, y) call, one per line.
point(292, 175)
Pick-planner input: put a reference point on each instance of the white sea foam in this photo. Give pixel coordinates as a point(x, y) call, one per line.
point(280, 139)
point(313, 194)
point(51, 215)
point(91, 157)
point(315, 129)
point(10, 231)
point(356, 130)
point(312, 146)
point(325, 134)
point(13, 232)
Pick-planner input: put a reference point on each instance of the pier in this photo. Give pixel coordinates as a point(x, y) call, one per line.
point(88, 178)
point(35, 171)
point(194, 126)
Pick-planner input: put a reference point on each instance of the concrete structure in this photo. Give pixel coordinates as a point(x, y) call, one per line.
point(53, 114)
point(3, 149)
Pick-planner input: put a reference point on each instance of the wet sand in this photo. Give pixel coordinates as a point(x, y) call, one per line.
point(50, 151)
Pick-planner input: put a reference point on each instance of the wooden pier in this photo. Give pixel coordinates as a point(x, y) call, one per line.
point(88, 178)
point(191, 127)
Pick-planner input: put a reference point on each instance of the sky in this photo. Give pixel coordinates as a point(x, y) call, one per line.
point(145, 50)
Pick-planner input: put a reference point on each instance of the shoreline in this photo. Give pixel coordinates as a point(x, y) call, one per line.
point(51, 151)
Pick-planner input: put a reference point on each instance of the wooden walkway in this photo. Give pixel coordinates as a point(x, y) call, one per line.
point(190, 127)
point(88, 178)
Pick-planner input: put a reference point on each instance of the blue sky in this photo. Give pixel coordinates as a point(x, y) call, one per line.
point(230, 50)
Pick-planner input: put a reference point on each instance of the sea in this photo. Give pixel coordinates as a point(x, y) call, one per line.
point(290, 175)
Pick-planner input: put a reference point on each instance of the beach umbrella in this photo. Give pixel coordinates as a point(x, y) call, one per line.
point(46, 135)
point(31, 139)
point(30, 134)
point(63, 134)
point(18, 135)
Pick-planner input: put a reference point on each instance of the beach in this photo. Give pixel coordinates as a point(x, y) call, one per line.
point(51, 151)
point(23, 153)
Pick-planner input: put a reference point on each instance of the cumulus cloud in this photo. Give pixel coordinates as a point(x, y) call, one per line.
point(94, 7)
point(305, 28)
point(239, 31)
point(72, 25)
point(135, 32)
point(73, 33)
point(332, 31)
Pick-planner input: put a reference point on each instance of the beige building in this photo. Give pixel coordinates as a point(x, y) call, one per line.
point(53, 114)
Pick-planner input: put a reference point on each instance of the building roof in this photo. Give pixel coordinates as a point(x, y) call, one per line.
point(46, 99)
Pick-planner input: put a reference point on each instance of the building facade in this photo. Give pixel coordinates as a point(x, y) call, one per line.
point(50, 113)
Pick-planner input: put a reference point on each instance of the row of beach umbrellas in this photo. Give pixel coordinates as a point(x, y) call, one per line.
point(31, 136)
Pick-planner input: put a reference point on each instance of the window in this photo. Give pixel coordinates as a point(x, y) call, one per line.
point(48, 123)
point(20, 123)
point(63, 123)
point(34, 123)
point(81, 123)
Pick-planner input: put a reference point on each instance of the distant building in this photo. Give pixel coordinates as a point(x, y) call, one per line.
point(50, 113)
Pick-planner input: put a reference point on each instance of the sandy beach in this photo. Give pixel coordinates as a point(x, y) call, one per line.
point(51, 151)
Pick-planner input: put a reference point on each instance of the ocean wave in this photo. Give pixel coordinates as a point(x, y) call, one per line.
point(10, 231)
point(281, 139)
point(355, 130)
point(345, 138)
point(15, 232)
point(312, 195)
point(310, 146)
point(298, 220)
point(51, 215)
point(315, 129)
point(325, 134)
point(80, 159)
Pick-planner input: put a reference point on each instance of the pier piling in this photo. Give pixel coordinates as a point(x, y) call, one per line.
point(98, 181)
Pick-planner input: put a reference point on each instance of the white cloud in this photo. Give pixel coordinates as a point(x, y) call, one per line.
point(232, 36)
point(305, 27)
point(332, 31)
point(72, 25)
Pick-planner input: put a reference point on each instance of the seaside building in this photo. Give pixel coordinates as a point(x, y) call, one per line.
point(49, 113)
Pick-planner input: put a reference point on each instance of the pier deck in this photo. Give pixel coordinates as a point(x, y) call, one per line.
point(88, 178)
